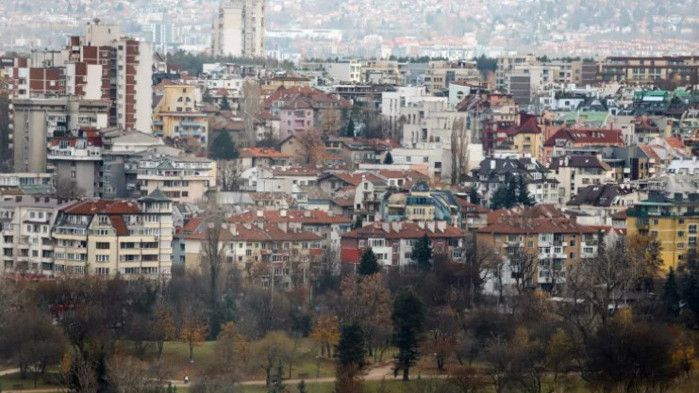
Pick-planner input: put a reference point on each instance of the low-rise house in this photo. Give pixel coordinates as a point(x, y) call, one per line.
point(251, 157)
point(598, 204)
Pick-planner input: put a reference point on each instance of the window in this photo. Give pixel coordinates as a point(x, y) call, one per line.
point(655, 221)
point(102, 270)
point(692, 228)
point(102, 246)
point(680, 233)
point(102, 258)
point(680, 245)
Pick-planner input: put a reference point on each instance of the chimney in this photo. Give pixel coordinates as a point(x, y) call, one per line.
point(442, 226)
point(430, 226)
point(421, 224)
point(282, 213)
point(386, 226)
point(260, 213)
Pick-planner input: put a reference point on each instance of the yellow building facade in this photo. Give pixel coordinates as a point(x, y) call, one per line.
point(673, 223)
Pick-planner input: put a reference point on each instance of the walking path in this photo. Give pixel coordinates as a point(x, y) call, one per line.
point(384, 371)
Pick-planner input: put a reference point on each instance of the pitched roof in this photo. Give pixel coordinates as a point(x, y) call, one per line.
point(405, 230)
point(102, 206)
point(522, 225)
point(298, 216)
point(155, 196)
point(579, 161)
point(354, 179)
point(261, 152)
point(596, 195)
point(591, 136)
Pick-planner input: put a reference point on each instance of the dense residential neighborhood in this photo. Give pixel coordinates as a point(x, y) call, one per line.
point(240, 207)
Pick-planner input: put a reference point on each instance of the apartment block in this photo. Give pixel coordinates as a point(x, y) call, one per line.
point(180, 178)
point(671, 220)
point(393, 242)
point(25, 234)
point(541, 233)
point(656, 70)
point(37, 120)
point(239, 29)
point(110, 237)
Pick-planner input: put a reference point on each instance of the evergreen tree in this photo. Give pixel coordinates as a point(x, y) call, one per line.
point(473, 195)
point(671, 293)
point(369, 264)
point(351, 349)
point(511, 191)
point(302, 387)
point(350, 130)
point(277, 383)
point(523, 196)
point(358, 222)
point(388, 159)
point(422, 253)
point(499, 200)
point(408, 319)
point(223, 147)
point(225, 105)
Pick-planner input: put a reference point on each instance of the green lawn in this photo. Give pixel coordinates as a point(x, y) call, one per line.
point(8, 382)
point(176, 361)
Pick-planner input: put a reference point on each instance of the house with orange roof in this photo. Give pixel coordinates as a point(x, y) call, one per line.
point(251, 157)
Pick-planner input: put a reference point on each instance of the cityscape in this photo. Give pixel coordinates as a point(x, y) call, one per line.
point(349, 196)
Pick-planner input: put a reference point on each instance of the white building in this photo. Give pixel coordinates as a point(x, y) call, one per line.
point(239, 29)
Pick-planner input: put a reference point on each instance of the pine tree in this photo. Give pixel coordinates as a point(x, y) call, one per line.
point(408, 319)
point(369, 265)
point(499, 200)
point(225, 105)
point(301, 387)
point(358, 222)
point(422, 253)
point(523, 196)
point(388, 159)
point(350, 130)
point(350, 349)
point(223, 147)
point(671, 293)
point(473, 195)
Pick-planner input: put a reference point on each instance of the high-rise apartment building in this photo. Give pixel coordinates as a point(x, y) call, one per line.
point(239, 29)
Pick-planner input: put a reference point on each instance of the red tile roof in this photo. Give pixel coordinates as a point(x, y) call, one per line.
point(587, 136)
point(102, 206)
point(538, 219)
point(356, 178)
point(405, 230)
point(119, 226)
point(261, 152)
point(298, 216)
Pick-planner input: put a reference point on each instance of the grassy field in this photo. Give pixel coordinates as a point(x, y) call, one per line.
point(13, 381)
point(176, 361)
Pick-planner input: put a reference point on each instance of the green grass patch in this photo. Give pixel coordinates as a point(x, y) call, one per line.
point(13, 381)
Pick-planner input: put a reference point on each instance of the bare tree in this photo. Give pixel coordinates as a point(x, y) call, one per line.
point(212, 249)
point(129, 375)
point(228, 175)
point(69, 189)
point(331, 121)
point(523, 266)
point(459, 150)
point(251, 106)
point(312, 147)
